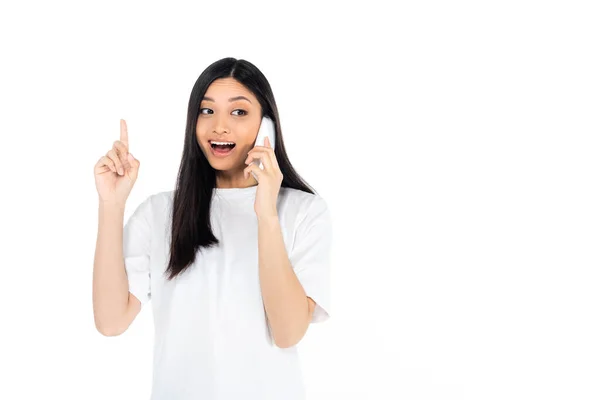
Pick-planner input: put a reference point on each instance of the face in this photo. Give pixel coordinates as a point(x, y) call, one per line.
point(228, 113)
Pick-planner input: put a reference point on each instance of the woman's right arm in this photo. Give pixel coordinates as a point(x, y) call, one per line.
point(115, 174)
point(114, 307)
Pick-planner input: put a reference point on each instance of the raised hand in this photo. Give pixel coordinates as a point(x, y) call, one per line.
point(117, 171)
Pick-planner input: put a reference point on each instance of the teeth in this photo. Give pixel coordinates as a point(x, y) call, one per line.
point(213, 142)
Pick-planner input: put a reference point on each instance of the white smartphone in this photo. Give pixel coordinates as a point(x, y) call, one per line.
point(267, 128)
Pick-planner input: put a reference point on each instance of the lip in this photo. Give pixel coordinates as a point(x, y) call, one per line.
point(221, 155)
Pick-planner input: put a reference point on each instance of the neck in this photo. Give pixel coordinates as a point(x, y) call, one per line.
point(227, 180)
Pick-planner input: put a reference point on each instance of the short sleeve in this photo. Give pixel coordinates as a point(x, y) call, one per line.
point(136, 251)
point(311, 256)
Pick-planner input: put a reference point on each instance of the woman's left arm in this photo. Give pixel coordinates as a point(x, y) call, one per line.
point(289, 310)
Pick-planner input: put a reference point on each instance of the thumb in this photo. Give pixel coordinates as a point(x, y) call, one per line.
point(135, 166)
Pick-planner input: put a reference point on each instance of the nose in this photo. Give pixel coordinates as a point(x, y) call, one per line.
point(221, 125)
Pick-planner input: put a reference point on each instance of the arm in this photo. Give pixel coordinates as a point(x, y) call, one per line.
point(114, 307)
point(288, 309)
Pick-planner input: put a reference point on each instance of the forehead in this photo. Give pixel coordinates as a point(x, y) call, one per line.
point(221, 90)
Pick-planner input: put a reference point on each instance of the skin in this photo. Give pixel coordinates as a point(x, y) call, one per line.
point(237, 122)
point(287, 306)
point(288, 309)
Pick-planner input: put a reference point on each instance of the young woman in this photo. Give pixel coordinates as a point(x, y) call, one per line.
point(236, 259)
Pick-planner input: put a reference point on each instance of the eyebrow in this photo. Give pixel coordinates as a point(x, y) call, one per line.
point(230, 100)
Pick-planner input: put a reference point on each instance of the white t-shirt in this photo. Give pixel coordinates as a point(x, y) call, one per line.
point(212, 339)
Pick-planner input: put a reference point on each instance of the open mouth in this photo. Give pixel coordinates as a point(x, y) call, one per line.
point(222, 148)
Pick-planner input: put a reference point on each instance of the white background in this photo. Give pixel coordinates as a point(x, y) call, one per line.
point(455, 142)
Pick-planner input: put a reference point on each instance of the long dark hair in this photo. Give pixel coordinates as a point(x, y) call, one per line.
point(191, 229)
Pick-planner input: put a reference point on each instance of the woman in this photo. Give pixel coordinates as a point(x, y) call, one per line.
point(236, 259)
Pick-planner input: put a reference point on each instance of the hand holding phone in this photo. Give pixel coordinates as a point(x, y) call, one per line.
point(267, 129)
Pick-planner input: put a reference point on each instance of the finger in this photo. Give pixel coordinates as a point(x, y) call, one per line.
point(135, 163)
point(262, 156)
point(104, 164)
point(124, 134)
point(112, 154)
point(272, 156)
point(262, 149)
point(100, 167)
point(122, 152)
point(268, 150)
point(253, 168)
point(274, 162)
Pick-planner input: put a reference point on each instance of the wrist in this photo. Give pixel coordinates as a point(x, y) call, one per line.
point(270, 218)
point(108, 205)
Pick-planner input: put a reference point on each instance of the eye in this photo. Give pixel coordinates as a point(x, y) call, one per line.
point(211, 111)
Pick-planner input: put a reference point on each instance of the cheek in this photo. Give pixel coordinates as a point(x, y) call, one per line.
point(200, 135)
point(201, 127)
point(244, 148)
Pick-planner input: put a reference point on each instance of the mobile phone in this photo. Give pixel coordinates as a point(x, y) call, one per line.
point(267, 128)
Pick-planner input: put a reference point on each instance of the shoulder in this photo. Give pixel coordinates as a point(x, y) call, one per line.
point(155, 204)
point(163, 197)
point(303, 204)
point(296, 198)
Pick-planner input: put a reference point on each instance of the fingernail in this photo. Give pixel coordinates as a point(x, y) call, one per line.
point(120, 171)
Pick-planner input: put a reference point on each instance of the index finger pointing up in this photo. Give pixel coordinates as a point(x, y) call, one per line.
point(124, 136)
